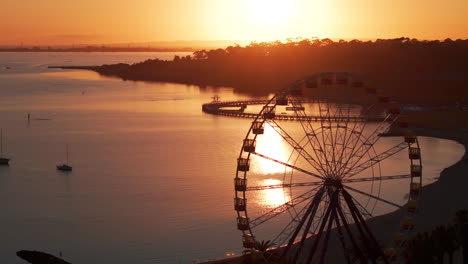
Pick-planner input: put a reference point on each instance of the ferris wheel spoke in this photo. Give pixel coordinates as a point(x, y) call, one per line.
point(372, 196)
point(283, 185)
point(297, 147)
point(286, 232)
point(339, 138)
point(381, 178)
point(311, 134)
point(358, 168)
point(363, 209)
point(351, 142)
point(350, 134)
point(288, 165)
point(326, 117)
point(310, 212)
point(316, 183)
point(283, 208)
point(367, 143)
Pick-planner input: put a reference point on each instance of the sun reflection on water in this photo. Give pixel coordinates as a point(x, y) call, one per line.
point(271, 144)
point(273, 197)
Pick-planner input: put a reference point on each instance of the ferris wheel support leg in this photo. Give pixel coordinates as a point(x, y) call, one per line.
point(369, 240)
point(311, 210)
point(305, 232)
point(351, 236)
point(327, 236)
point(322, 227)
point(339, 228)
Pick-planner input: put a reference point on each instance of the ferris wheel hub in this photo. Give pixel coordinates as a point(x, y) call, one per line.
point(333, 182)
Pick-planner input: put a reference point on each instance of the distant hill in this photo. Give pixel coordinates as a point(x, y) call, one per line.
point(178, 45)
point(416, 71)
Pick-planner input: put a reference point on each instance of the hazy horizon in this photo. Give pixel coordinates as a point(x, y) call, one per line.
point(194, 44)
point(53, 22)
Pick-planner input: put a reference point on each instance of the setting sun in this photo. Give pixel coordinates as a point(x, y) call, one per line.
point(269, 12)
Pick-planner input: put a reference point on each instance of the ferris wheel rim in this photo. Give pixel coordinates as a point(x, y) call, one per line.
point(260, 117)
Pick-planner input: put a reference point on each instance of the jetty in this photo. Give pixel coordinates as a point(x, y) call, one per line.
point(225, 109)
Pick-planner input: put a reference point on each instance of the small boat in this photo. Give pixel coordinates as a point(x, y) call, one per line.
point(3, 160)
point(64, 166)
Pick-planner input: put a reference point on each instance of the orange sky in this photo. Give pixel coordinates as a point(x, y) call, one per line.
point(48, 22)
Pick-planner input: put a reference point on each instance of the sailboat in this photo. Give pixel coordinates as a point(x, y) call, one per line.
point(3, 160)
point(64, 166)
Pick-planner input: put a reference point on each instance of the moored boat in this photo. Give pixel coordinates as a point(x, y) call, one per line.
point(64, 166)
point(3, 160)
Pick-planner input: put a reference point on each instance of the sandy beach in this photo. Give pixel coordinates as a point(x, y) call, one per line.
point(441, 199)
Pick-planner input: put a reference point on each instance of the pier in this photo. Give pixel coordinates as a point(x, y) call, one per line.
point(217, 108)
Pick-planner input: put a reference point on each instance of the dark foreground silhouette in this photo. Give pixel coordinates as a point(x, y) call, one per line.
point(431, 72)
point(38, 257)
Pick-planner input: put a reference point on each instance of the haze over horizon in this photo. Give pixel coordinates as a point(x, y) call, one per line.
point(54, 22)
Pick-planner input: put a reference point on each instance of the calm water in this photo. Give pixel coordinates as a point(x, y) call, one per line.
point(152, 175)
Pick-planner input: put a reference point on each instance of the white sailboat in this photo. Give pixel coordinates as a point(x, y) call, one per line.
point(3, 160)
point(64, 166)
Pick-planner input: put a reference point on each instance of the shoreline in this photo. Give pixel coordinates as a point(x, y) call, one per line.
point(440, 199)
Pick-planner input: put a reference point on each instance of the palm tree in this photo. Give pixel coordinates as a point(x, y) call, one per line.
point(446, 239)
point(250, 256)
point(461, 225)
point(420, 249)
point(259, 254)
point(264, 245)
point(364, 252)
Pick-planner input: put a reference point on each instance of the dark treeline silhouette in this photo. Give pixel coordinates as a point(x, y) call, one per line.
point(440, 243)
point(415, 71)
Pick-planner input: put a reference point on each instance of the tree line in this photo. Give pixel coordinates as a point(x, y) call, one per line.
point(417, 71)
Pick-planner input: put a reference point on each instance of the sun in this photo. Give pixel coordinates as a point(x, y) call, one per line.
point(269, 12)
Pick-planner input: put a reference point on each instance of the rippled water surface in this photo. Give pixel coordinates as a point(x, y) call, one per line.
point(152, 178)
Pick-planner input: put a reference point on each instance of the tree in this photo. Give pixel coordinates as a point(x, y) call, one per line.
point(264, 245)
point(461, 226)
point(445, 240)
point(259, 254)
point(420, 249)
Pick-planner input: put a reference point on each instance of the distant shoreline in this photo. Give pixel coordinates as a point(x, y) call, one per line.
point(413, 71)
point(98, 49)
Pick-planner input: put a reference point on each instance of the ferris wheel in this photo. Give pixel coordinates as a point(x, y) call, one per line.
point(305, 184)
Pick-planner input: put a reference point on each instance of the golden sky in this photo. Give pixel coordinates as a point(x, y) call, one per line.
point(48, 22)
